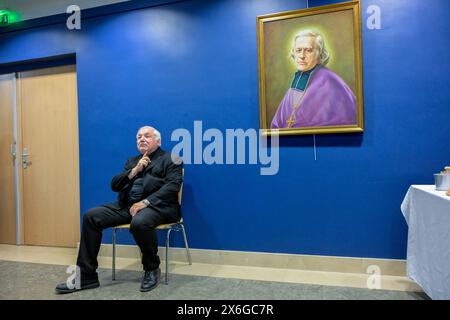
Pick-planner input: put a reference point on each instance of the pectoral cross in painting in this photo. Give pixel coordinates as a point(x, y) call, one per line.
point(290, 121)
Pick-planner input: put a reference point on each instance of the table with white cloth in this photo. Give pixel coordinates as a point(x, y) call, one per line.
point(427, 213)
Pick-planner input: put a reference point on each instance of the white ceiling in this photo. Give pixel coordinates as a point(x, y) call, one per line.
point(31, 9)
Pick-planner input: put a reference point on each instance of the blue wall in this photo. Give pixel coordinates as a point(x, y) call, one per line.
point(197, 60)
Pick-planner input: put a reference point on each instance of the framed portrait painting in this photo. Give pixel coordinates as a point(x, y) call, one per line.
point(310, 70)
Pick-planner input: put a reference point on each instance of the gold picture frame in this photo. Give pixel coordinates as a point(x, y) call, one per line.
point(310, 70)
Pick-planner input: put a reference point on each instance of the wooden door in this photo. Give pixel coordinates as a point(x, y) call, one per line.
point(7, 185)
point(47, 104)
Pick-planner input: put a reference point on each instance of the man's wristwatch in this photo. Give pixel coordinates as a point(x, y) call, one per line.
point(146, 202)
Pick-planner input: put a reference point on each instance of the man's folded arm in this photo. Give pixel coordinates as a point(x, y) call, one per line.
point(171, 187)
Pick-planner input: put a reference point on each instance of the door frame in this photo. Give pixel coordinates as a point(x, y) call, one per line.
point(15, 68)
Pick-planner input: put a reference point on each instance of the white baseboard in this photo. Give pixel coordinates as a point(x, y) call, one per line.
point(387, 267)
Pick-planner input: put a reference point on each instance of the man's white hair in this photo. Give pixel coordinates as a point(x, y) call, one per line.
point(156, 133)
point(323, 56)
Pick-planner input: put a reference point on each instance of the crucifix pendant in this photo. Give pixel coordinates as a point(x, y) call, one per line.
point(290, 122)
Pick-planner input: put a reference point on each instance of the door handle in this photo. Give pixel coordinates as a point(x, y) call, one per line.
point(25, 155)
point(12, 151)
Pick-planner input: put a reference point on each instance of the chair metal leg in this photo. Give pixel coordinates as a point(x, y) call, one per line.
point(186, 244)
point(114, 254)
point(167, 255)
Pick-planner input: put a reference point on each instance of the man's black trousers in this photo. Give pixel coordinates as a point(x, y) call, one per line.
point(142, 227)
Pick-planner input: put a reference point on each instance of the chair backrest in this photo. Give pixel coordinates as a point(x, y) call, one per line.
point(180, 193)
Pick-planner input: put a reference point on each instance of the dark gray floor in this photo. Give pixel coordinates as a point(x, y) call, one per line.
point(20, 280)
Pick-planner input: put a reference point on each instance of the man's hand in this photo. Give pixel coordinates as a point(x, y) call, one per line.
point(145, 160)
point(135, 208)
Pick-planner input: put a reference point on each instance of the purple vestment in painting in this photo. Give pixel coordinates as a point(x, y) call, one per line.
point(328, 101)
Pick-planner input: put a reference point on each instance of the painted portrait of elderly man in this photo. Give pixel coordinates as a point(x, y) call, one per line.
point(317, 96)
point(310, 70)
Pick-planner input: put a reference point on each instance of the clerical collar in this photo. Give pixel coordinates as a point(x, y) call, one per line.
point(301, 78)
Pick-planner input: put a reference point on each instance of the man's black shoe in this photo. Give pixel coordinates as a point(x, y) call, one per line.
point(63, 288)
point(150, 280)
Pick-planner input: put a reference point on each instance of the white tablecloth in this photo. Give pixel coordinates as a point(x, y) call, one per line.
point(427, 213)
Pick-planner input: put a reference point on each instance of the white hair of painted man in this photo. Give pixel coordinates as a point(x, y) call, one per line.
point(323, 56)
